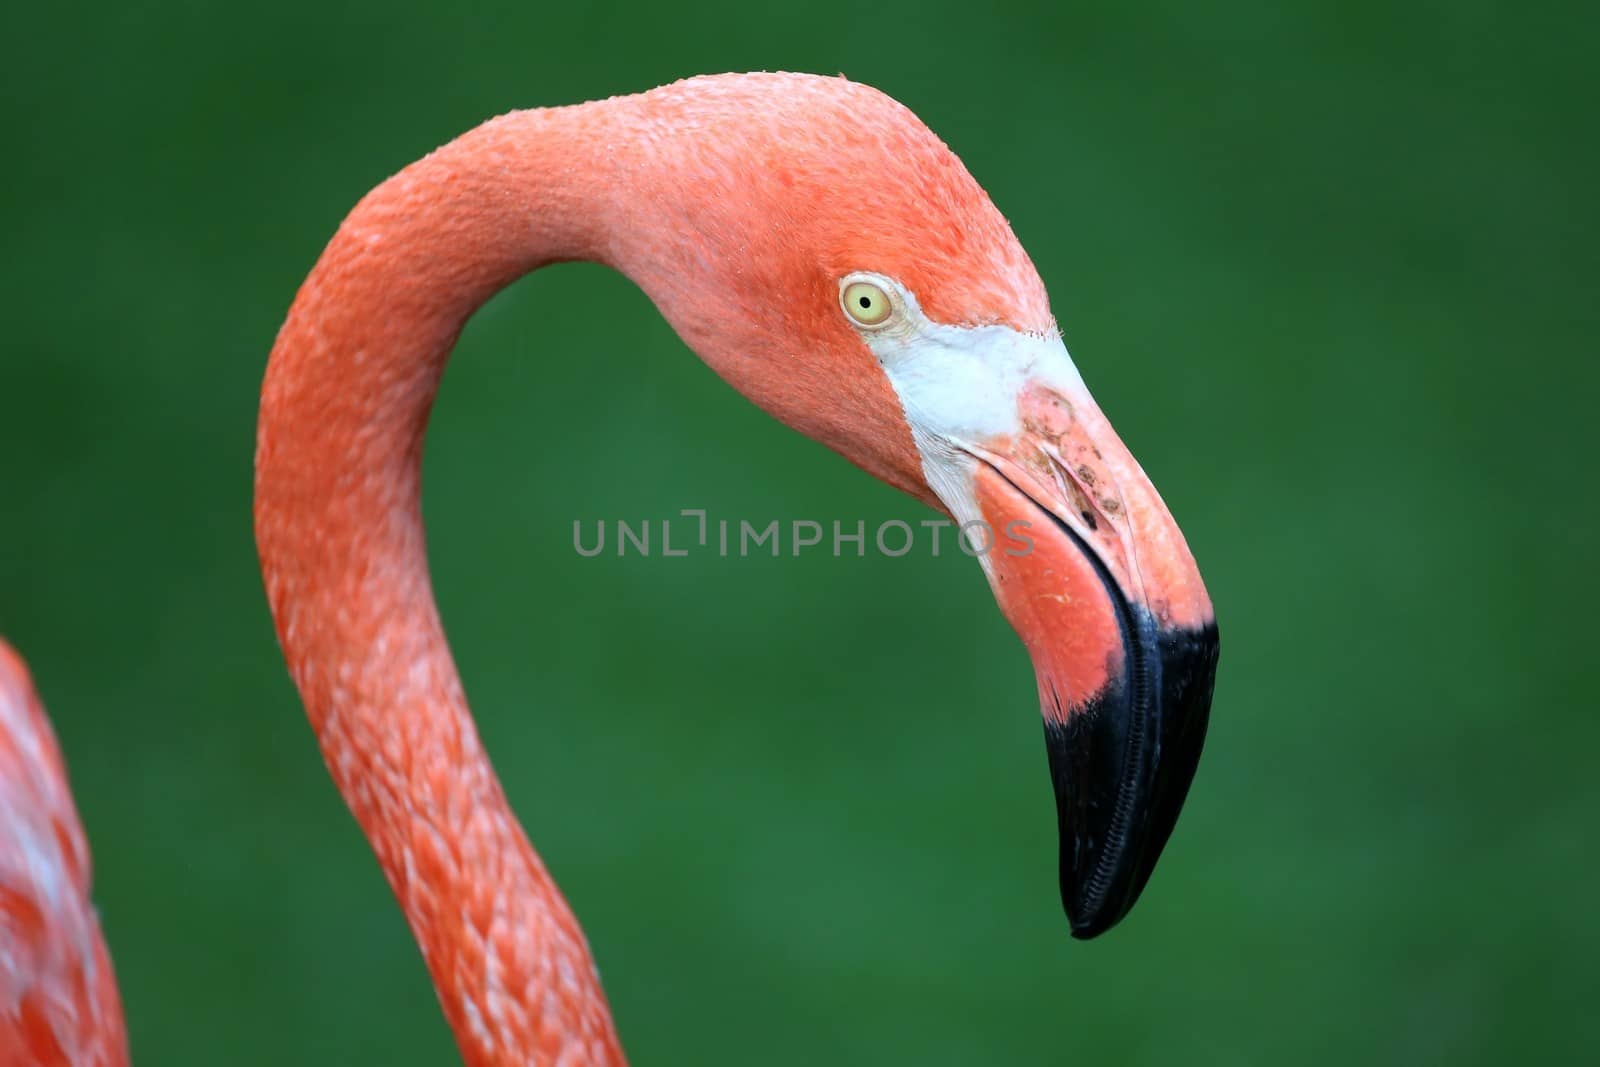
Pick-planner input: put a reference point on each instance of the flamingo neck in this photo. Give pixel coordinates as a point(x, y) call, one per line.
point(339, 529)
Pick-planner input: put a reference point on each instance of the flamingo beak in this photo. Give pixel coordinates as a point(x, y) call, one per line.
point(1092, 572)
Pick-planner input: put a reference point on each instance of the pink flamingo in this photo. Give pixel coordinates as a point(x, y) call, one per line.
point(58, 997)
point(826, 254)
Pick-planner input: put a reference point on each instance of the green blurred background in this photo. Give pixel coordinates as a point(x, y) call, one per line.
point(1330, 268)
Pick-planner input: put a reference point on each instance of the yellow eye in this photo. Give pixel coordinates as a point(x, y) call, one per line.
point(867, 304)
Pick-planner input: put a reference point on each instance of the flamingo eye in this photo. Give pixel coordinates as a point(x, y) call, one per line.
point(866, 304)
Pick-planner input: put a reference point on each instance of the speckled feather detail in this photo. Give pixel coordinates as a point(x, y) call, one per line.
point(58, 998)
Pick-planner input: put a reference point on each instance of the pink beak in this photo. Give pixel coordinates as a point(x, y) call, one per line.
point(1110, 605)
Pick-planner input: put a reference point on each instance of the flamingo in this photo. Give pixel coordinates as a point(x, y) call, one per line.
point(827, 255)
point(59, 1005)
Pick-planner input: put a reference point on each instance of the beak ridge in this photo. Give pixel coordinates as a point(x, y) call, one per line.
point(1123, 640)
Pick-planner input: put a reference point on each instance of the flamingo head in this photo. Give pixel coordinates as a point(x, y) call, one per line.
point(850, 276)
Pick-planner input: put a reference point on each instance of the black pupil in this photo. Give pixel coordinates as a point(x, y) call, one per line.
point(866, 301)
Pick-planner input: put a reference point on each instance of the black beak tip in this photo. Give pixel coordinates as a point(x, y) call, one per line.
point(1122, 765)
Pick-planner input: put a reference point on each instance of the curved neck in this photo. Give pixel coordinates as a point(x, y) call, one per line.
point(339, 529)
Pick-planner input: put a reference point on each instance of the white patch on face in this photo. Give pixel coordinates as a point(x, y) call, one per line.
point(959, 385)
